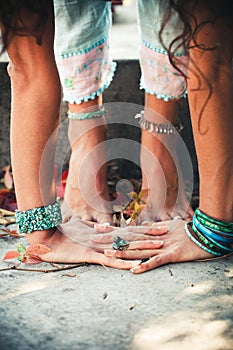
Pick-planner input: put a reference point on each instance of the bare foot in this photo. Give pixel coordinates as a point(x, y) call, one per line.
point(166, 198)
point(65, 250)
point(86, 194)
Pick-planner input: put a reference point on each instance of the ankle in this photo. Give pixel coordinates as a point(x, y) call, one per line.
point(40, 237)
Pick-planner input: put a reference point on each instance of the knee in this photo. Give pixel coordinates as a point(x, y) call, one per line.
point(19, 72)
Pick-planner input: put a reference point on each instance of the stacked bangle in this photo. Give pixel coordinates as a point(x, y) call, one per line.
point(189, 231)
point(216, 225)
point(38, 219)
point(214, 236)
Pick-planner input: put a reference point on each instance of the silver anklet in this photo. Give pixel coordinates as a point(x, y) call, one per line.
point(85, 116)
point(158, 128)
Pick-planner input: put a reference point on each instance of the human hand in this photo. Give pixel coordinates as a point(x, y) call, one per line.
point(78, 241)
point(177, 247)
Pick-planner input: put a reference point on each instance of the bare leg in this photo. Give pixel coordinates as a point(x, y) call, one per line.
point(152, 172)
point(84, 137)
point(36, 94)
point(212, 128)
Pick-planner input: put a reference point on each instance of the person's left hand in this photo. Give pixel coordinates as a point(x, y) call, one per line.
point(78, 241)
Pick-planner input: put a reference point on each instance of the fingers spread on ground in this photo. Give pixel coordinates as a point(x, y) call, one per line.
point(150, 244)
point(154, 229)
point(131, 254)
point(107, 238)
point(102, 238)
point(118, 263)
point(88, 222)
point(151, 264)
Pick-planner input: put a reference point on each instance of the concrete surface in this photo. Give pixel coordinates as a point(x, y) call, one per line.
point(175, 307)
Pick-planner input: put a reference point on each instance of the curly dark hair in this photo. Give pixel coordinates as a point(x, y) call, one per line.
point(24, 18)
point(188, 39)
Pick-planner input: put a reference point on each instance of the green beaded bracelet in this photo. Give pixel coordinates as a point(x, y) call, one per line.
point(208, 243)
point(191, 236)
point(228, 225)
point(216, 227)
point(39, 219)
point(86, 116)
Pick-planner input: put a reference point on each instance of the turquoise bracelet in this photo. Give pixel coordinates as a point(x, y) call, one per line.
point(39, 219)
point(214, 227)
point(228, 225)
point(202, 246)
point(86, 116)
point(208, 233)
point(208, 243)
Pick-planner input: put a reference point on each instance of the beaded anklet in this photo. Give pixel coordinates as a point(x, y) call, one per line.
point(86, 116)
point(214, 236)
point(158, 128)
point(38, 219)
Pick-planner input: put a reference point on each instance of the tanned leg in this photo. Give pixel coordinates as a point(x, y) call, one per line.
point(162, 200)
point(88, 199)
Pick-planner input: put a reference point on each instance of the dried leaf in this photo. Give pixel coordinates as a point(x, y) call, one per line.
point(31, 254)
point(105, 295)
point(61, 182)
point(7, 221)
point(69, 275)
point(7, 200)
point(8, 179)
point(58, 266)
point(4, 212)
point(37, 249)
point(12, 233)
point(11, 255)
point(133, 195)
point(31, 260)
point(143, 193)
point(132, 306)
point(21, 249)
point(137, 207)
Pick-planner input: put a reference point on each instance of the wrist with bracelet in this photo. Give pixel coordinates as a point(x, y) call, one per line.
point(213, 236)
point(39, 218)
